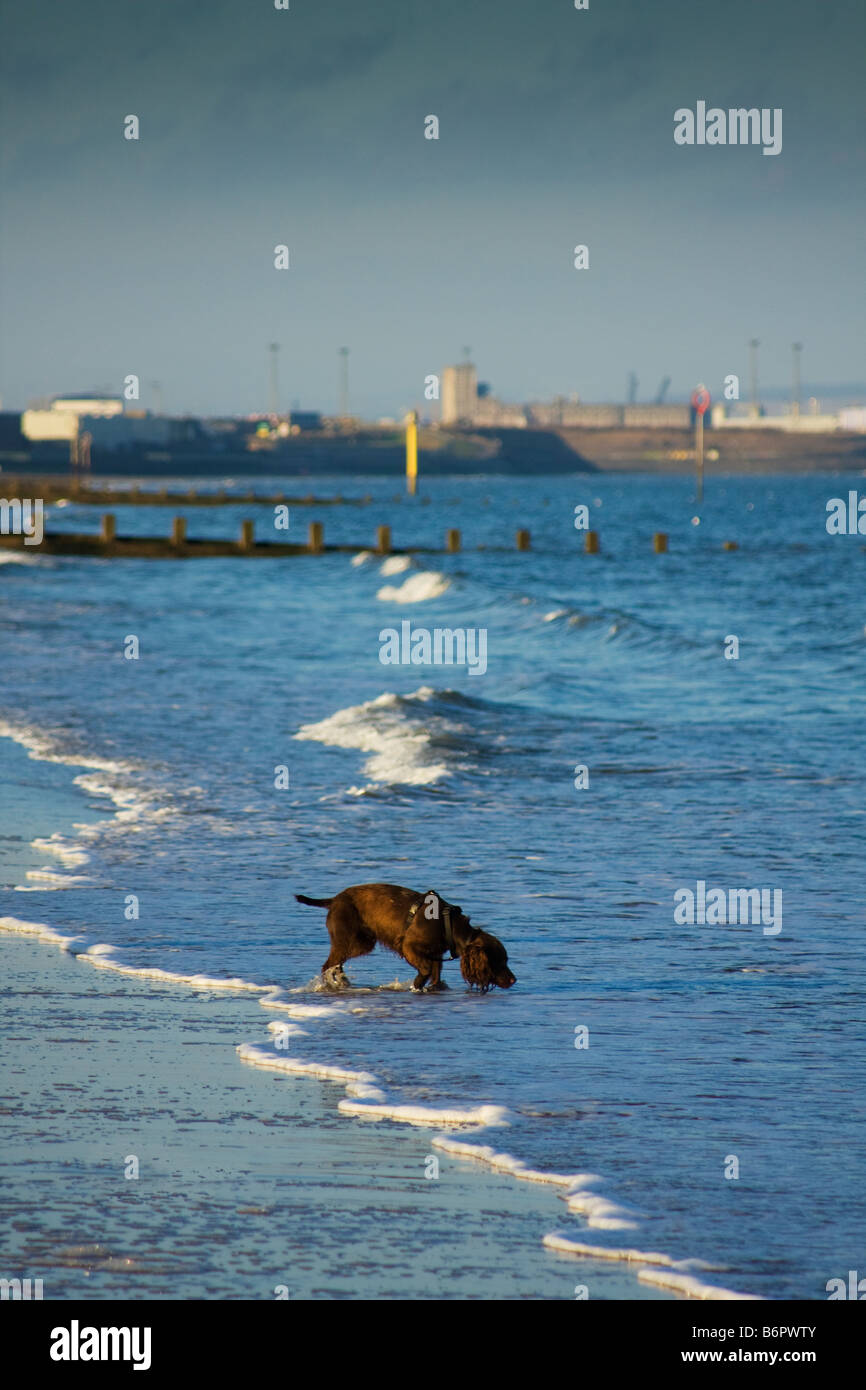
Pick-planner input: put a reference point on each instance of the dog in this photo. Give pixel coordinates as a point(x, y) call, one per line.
point(420, 927)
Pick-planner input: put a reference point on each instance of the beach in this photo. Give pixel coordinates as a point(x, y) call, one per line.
point(248, 1184)
point(160, 813)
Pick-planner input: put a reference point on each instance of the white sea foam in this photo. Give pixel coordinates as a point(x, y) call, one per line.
point(319, 986)
point(362, 1091)
point(297, 1010)
point(557, 1241)
point(118, 782)
point(482, 1115)
point(273, 1061)
point(416, 589)
point(100, 956)
point(658, 1269)
point(67, 851)
point(282, 1029)
point(395, 564)
point(49, 880)
point(693, 1288)
point(400, 749)
point(38, 931)
point(505, 1163)
point(363, 557)
point(19, 557)
point(602, 1213)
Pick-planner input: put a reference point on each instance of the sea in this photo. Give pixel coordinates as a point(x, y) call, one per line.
point(648, 727)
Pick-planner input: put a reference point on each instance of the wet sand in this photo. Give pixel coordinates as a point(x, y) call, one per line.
point(248, 1181)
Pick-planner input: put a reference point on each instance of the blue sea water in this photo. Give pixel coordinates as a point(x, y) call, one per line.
point(707, 1043)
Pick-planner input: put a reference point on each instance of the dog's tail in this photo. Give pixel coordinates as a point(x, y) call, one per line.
point(314, 902)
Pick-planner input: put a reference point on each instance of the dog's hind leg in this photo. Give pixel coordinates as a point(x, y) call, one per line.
point(349, 938)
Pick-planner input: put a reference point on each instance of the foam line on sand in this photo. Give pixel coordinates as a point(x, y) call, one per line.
point(272, 1061)
point(428, 1114)
point(658, 1269)
point(38, 931)
point(693, 1288)
point(505, 1163)
point(101, 957)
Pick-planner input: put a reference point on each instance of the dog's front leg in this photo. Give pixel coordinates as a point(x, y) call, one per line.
point(436, 981)
point(424, 967)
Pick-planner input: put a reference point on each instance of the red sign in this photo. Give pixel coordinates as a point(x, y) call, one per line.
point(701, 399)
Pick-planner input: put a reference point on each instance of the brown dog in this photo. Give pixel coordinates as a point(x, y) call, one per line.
point(420, 927)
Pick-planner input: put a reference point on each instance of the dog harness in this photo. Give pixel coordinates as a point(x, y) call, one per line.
point(446, 920)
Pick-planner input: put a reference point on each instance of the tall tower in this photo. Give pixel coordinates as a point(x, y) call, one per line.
point(459, 394)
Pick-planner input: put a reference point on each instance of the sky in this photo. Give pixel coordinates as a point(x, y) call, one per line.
point(305, 127)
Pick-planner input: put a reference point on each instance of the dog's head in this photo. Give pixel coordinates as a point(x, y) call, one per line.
point(484, 962)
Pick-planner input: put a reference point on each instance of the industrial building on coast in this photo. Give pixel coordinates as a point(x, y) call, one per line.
point(470, 431)
point(466, 404)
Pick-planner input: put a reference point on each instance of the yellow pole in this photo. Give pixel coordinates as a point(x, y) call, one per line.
point(411, 452)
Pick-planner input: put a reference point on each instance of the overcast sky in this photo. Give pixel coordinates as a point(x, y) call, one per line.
point(306, 127)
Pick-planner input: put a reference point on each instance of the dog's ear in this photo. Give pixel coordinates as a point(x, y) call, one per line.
point(475, 966)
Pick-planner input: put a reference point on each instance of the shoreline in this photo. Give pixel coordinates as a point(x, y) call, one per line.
point(164, 1017)
point(560, 451)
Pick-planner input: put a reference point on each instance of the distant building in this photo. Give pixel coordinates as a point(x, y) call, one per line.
point(466, 403)
point(853, 418)
point(562, 414)
point(307, 419)
point(657, 417)
point(493, 414)
point(89, 405)
point(61, 419)
point(459, 394)
point(811, 423)
point(129, 431)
